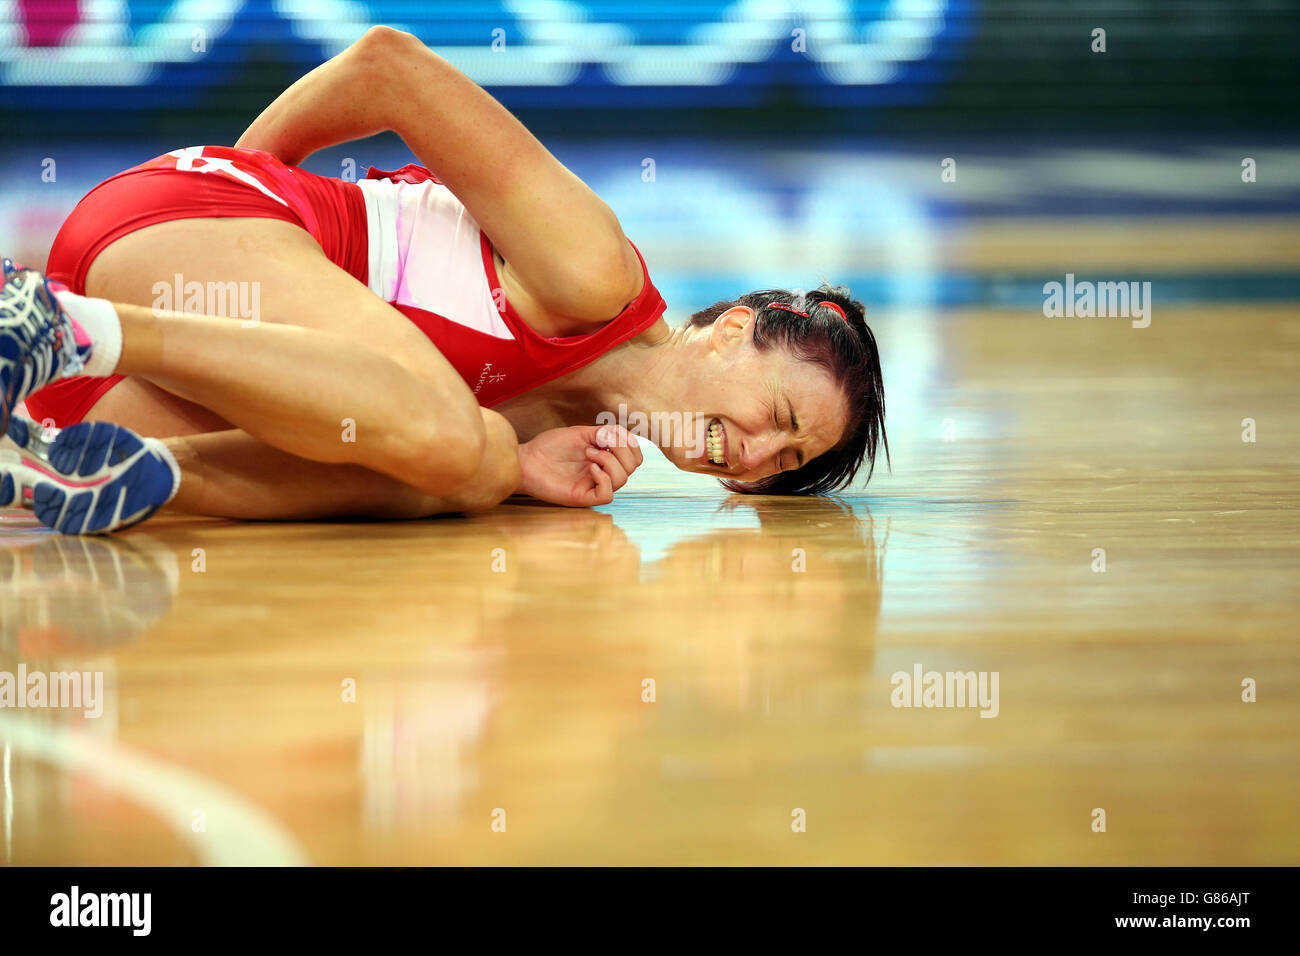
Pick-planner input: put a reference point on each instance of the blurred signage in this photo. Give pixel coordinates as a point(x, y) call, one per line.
point(141, 53)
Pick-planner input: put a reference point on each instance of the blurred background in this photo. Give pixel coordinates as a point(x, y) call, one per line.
point(931, 155)
point(944, 160)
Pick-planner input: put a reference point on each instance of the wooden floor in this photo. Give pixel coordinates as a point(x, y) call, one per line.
point(500, 662)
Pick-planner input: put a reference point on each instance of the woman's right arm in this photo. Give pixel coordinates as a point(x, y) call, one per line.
point(558, 237)
point(341, 100)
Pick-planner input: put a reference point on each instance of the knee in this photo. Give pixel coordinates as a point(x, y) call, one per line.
point(437, 457)
point(498, 475)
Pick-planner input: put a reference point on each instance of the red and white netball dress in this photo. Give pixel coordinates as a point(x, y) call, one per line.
point(403, 234)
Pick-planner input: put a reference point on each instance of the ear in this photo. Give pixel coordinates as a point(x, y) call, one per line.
point(731, 327)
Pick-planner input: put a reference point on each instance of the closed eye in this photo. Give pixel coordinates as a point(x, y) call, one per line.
point(780, 463)
point(794, 425)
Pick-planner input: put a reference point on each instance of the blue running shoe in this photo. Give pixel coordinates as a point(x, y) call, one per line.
point(39, 343)
point(92, 478)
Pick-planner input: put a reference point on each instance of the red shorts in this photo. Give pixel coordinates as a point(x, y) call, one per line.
point(234, 182)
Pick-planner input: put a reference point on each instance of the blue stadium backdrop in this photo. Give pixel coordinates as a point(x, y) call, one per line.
point(117, 62)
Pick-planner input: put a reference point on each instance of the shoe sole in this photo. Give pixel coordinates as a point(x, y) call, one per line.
point(93, 478)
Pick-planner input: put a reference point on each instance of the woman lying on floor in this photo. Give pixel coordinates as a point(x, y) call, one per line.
point(426, 340)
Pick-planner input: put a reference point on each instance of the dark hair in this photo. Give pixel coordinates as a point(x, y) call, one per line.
point(846, 349)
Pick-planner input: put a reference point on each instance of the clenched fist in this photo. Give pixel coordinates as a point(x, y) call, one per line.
point(578, 466)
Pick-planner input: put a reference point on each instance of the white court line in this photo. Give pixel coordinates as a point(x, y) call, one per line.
point(246, 835)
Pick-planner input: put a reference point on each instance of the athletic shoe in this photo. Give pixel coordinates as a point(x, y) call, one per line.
point(93, 477)
point(39, 343)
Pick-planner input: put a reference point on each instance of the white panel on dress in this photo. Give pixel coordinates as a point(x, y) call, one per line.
point(425, 252)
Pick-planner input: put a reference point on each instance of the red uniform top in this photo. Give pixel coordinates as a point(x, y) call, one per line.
point(403, 233)
point(435, 266)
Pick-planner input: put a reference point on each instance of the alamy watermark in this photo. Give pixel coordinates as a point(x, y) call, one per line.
point(77, 690)
point(75, 908)
point(1086, 299)
point(922, 688)
point(235, 300)
point(665, 429)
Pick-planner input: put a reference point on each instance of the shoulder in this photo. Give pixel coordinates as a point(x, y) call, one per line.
point(579, 303)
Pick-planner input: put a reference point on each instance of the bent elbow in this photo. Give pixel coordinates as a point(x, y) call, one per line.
point(596, 288)
point(381, 48)
point(385, 38)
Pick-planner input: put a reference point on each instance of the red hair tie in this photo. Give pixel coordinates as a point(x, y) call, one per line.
point(832, 305)
point(786, 307)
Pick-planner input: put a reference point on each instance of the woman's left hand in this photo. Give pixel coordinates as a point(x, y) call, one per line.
point(578, 466)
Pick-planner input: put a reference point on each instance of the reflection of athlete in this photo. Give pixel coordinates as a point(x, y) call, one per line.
point(62, 596)
point(422, 341)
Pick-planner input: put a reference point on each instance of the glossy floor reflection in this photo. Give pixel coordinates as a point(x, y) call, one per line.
point(672, 678)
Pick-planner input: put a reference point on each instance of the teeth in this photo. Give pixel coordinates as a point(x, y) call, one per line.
point(713, 444)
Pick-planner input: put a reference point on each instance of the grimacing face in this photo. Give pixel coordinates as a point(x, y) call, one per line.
point(756, 412)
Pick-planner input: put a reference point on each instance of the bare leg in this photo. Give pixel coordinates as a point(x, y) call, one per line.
point(231, 474)
point(228, 473)
point(314, 394)
point(325, 350)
